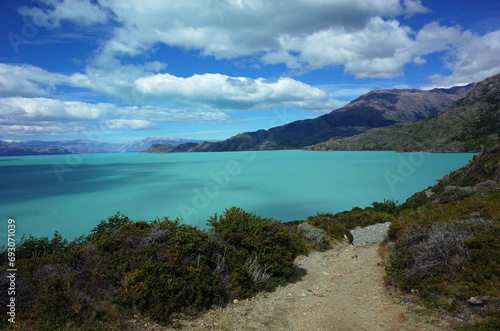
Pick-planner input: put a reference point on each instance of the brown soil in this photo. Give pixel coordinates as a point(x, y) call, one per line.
point(340, 289)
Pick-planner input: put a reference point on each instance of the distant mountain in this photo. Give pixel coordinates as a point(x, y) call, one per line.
point(471, 124)
point(141, 145)
point(18, 151)
point(169, 148)
point(35, 147)
point(39, 147)
point(375, 109)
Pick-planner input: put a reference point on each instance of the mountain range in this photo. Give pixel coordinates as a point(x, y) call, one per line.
point(459, 119)
point(39, 147)
point(471, 124)
point(375, 109)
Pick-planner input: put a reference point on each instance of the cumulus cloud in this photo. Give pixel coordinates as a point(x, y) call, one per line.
point(233, 93)
point(470, 57)
point(276, 31)
point(121, 124)
point(21, 116)
point(139, 84)
point(53, 12)
point(27, 81)
point(231, 28)
point(48, 129)
point(380, 49)
point(413, 7)
point(363, 36)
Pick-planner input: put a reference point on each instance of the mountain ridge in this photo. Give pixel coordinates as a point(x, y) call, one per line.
point(375, 109)
point(144, 144)
point(82, 146)
point(471, 124)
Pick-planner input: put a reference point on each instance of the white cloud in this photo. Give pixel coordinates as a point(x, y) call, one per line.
point(198, 94)
point(121, 124)
point(470, 57)
point(48, 129)
point(379, 50)
point(28, 81)
point(228, 29)
point(21, 116)
point(44, 109)
point(54, 11)
point(363, 36)
point(413, 7)
point(233, 93)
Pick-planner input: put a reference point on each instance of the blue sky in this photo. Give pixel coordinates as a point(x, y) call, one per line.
point(118, 70)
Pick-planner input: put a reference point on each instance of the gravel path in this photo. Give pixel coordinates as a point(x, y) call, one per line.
point(340, 289)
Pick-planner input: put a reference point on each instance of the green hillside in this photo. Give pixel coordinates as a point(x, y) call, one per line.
point(471, 124)
point(446, 243)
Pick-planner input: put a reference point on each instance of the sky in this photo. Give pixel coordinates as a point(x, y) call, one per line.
point(119, 70)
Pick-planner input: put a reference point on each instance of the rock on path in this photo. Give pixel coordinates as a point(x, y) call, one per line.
point(371, 234)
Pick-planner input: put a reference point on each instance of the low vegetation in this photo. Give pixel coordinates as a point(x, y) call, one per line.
point(159, 271)
point(446, 243)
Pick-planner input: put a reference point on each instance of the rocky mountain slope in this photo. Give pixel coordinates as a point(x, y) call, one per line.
point(17, 151)
point(169, 148)
point(471, 124)
point(375, 109)
point(141, 145)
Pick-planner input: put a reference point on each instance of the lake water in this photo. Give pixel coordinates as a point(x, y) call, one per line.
point(73, 193)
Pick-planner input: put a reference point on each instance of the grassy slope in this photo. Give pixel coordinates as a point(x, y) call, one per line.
point(471, 124)
point(447, 239)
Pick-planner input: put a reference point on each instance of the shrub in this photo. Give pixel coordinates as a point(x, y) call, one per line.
point(362, 217)
point(258, 274)
point(449, 260)
point(490, 325)
point(388, 206)
point(314, 238)
point(161, 289)
point(310, 232)
point(159, 269)
point(34, 247)
point(275, 245)
point(487, 185)
point(333, 229)
point(105, 226)
point(441, 249)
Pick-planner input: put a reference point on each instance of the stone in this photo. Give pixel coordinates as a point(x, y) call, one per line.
point(406, 300)
point(475, 301)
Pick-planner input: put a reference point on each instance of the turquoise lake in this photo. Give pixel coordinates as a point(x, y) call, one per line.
point(73, 193)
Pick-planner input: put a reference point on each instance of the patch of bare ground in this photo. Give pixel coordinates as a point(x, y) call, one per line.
point(340, 289)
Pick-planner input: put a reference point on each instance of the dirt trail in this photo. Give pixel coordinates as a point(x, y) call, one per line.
point(340, 289)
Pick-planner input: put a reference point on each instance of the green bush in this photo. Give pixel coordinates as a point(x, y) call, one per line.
point(161, 290)
point(34, 247)
point(388, 206)
point(489, 325)
point(362, 217)
point(275, 245)
point(332, 227)
point(159, 269)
